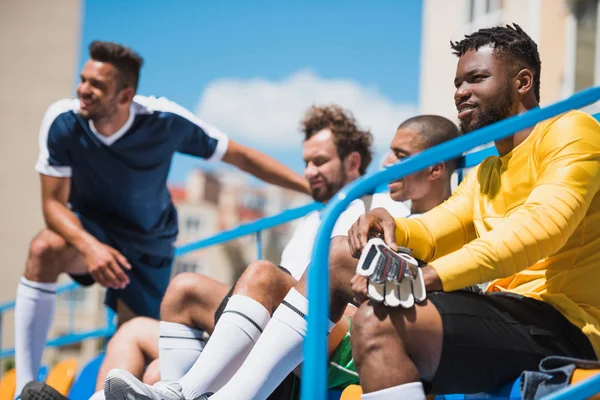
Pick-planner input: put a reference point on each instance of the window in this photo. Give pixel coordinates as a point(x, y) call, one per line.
point(585, 43)
point(77, 298)
point(483, 13)
point(192, 224)
point(189, 266)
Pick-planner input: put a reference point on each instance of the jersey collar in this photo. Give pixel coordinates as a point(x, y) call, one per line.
point(109, 140)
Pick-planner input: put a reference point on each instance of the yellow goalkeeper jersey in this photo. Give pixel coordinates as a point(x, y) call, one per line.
point(528, 221)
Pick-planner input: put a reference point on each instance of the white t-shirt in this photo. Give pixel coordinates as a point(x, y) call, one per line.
point(297, 253)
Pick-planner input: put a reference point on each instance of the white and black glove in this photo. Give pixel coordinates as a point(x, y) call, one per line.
point(394, 278)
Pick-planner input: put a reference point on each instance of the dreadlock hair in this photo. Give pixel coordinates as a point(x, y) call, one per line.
point(509, 42)
point(347, 136)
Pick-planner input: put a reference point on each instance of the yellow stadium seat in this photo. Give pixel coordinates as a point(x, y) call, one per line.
point(352, 392)
point(581, 374)
point(8, 385)
point(62, 375)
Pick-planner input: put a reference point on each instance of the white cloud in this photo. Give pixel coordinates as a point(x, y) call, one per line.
point(267, 113)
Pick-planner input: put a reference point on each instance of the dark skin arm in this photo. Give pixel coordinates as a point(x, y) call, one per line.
point(104, 263)
point(264, 167)
point(379, 222)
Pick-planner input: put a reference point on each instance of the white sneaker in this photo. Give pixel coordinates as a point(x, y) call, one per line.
point(121, 385)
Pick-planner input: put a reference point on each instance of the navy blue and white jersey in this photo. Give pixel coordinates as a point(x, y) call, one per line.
point(120, 181)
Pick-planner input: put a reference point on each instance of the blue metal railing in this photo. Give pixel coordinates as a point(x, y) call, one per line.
point(314, 374)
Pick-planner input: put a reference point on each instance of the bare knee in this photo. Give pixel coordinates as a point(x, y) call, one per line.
point(264, 282)
point(128, 334)
point(371, 325)
point(44, 258)
point(185, 289)
point(259, 275)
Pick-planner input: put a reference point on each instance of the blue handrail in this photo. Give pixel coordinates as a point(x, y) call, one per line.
point(314, 374)
point(251, 227)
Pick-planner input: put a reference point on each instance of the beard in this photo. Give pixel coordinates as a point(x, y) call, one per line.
point(496, 111)
point(329, 188)
point(100, 110)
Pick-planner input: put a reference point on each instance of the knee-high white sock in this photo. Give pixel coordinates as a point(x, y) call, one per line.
point(275, 355)
point(34, 311)
point(240, 325)
point(179, 346)
point(408, 391)
point(99, 395)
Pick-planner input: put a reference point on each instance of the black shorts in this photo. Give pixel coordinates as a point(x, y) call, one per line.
point(489, 339)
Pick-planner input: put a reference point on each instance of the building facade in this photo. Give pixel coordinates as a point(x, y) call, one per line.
point(566, 32)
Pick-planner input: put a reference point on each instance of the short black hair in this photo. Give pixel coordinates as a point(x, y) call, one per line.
point(347, 136)
point(507, 41)
point(127, 62)
point(433, 130)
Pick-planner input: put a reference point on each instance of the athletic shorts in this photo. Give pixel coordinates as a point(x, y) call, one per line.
point(489, 339)
point(148, 278)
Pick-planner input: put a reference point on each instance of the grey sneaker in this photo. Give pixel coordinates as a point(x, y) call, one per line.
point(121, 385)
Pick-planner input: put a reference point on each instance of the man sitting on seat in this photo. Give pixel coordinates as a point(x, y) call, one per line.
point(267, 286)
point(526, 220)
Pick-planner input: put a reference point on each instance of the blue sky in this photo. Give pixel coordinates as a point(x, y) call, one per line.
point(199, 52)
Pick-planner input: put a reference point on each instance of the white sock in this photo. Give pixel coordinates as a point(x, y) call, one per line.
point(99, 395)
point(240, 325)
point(408, 391)
point(275, 355)
point(34, 311)
point(179, 346)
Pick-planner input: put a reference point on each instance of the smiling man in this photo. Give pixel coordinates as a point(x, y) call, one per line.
point(526, 220)
point(103, 162)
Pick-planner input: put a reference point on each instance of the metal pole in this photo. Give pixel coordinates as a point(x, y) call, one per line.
point(259, 245)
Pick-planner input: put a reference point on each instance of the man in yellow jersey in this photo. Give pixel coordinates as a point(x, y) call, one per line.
point(528, 221)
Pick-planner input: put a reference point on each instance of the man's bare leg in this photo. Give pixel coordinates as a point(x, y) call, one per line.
point(134, 345)
point(258, 291)
point(192, 300)
point(187, 312)
point(279, 349)
point(396, 346)
point(49, 256)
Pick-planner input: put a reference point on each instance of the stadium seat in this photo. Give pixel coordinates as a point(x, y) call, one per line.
point(42, 373)
point(85, 384)
point(8, 385)
point(62, 374)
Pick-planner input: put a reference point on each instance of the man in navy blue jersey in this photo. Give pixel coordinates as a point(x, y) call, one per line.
point(103, 162)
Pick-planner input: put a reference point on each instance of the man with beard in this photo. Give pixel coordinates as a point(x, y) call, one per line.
point(279, 349)
point(526, 220)
point(336, 152)
point(103, 162)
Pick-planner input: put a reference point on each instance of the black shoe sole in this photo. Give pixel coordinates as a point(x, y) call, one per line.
point(40, 391)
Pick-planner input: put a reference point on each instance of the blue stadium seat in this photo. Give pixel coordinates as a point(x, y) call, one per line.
point(511, 391)
point(85, 384)
point(42, 373)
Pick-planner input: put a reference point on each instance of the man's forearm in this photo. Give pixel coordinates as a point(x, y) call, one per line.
point(272, 171)
point(64, 222)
